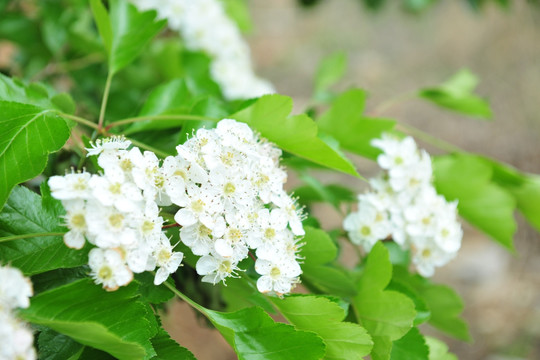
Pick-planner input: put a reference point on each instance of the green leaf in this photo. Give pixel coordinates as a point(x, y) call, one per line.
point(330, 70)
point(438, 350)
point(103, 23)
point(255, 335)
point(131, 31)
point(167, 349)
point(444, 304)
point(528, 200)
point(30, 129)
point(412, 346)
point(446, 307)
point(238, 11)
point(150, 292)
point(457, 94)
point(296, 134)
point(170, 98)
point(114, 322)
point(344, 121)
point(318, 250)
point(314, 191)
point(26, 213)
point(55, 346)
point(238, 294)
point(482, 203)
point(382, 312)
point(324, 317)
point(382, 347)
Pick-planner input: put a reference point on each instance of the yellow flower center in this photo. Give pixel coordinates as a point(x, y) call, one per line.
point(115, 188)
point(269, 233)
point(105, 273)
point(116, 220)
point(78, 221)
point(365, 230)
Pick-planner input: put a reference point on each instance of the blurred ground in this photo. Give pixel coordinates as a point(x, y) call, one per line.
point(392, 53)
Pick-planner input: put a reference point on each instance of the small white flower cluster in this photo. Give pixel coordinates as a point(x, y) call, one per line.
point(205, 26)
point(405, 206)
point(118, 213)
point(233, 201)
point(16, 339)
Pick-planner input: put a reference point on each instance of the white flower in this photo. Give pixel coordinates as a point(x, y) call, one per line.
point(16, 339)
point(15, 289)
point(367, 226)
point(278, 276)
point(109, 226)
point(106, 145)
point(167, 260)
point(108, 268)
point(203, 204)
point(113, 190)
point(70, 186)
point(76, 222)
point(148, 176)
point(216, 268)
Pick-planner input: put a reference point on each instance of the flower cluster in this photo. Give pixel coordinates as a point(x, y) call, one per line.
point(405, 206)
point(228, 186)
point(205, 27)
point(16, 339)
point(233, 201)
point(118, 213)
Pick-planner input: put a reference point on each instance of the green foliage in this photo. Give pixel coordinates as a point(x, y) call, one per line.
point(324, 317)
point(330, 70)
point(28, 112)
point(26, 213)
point(125, 31)
point(386, 314)
point(438, 350)
point(296, 134)
point(114, 322)
point(55, 346)
point(345, 123)
point(482, 202)
point(166, 348)
point(314, 191)
point(319, 250)
point(443, 305)
point(254, 335)
point(457, 94)
point(412, 346)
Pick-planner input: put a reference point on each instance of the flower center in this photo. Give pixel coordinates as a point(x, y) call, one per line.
point(147, 226)
point(269, 233)
point(445, 232)
point(365, 230)
point(116, 220)
point(78, 221)
point(426, 253)
point(426, 221)
point(275, 273)
point(204, 231)
point(163, 256)
point(105, 273)
point(126, 165)
point(115, 188)
point(197, 205)
point(235, 235)
point(80, 185)
point(229, 188)
point(225, 267)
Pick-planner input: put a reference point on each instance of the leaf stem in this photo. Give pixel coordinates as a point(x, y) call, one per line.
point(430, 139)
point(385, 105)
point(148, 147)
point(192, 303)
point(104, 100)
point(80, 120)
point(159, 117)
point(29, 236)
